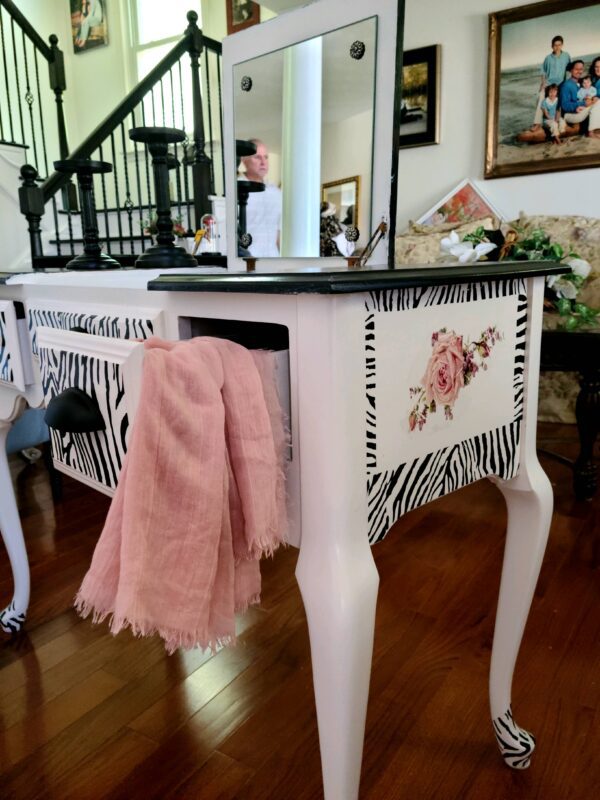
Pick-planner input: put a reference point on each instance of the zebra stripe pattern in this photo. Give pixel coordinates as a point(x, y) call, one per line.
point(98, 455)
point(6, 373)
point(392, 493)
point(516, 745)
point(106, 325)
point(11, 620)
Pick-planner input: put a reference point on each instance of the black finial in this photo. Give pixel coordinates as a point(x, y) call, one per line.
point(28, 174)
point(53, 39)
point(192, 17)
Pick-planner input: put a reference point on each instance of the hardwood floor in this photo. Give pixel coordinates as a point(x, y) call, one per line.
point(86, 716)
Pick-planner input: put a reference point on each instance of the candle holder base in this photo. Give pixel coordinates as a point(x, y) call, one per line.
point(163, 256)
point(85, 261)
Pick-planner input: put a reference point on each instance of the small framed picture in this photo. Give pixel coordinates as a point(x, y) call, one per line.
point(420, 106)
point(88, 24)
point(464, 203)
point(543, 103)
point(344, 194)
point(241, 14)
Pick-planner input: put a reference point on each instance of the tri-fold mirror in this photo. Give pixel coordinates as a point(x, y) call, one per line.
point(313, 95)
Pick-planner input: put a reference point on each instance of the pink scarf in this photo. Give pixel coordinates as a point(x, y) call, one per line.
point(200, 499)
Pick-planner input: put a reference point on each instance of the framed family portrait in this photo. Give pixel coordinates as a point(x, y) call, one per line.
point(420, 105)
point(543, 88)
point(88, 24)
point(241, 14)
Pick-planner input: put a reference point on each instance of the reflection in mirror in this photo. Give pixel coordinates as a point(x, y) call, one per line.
point(309, 110)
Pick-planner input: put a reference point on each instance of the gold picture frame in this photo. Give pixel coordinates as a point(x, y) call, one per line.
point(519, 138)
point(333, 192)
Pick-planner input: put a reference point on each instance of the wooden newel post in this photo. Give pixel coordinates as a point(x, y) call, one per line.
point(31, 203)
point(58, 84)
point(201, 165)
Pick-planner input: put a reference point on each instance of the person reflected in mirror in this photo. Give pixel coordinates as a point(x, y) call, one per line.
point(263, 214)
point(349, 218)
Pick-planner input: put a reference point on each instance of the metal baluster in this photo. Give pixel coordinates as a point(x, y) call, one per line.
point(12, 28)
point(8, 98)
point(105, 204)
point(162, 103)
point(56, 235)
point(219, 64)
point(153, 107)
point(178, 167)
point(70, 226)
point(210, 127)
point(128, 204)
point(29, 99)
point(39, 94)
point(184, 159)
point(173, 123)
point(147, 162)
point(138, 181)
point(117, 199)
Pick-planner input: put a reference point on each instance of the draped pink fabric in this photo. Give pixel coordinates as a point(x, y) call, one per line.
point(200, 499)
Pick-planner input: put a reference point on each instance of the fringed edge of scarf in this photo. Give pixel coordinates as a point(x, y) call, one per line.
point(173, 638)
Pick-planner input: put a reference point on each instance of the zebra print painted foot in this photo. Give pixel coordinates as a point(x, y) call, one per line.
point(516, 744)
point(11, 620)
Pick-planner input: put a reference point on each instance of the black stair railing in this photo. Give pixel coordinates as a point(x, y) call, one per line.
point(27, 118)
point(170, 96)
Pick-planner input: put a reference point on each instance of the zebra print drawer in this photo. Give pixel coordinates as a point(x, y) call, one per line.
point(12, 372)
point(109, 372)
point(99, 320)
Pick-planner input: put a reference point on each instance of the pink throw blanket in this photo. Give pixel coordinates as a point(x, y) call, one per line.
point(200, 499)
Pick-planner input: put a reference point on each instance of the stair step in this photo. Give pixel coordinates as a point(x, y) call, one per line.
point(143, 207)
point(125, 259)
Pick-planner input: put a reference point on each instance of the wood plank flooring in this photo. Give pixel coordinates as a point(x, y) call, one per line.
point(87, 716)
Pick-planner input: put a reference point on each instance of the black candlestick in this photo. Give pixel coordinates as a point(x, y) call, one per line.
point(164, 254)
point(92, 257)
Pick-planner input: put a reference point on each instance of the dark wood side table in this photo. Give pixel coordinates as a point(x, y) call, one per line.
point(579, 351)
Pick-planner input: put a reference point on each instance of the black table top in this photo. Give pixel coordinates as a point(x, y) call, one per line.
point(348, 281)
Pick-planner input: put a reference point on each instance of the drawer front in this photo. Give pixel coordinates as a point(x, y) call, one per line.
point(109, 372)
point(11, 364)
point(99, 320)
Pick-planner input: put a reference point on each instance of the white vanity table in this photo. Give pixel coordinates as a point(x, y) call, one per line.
point(368, 354)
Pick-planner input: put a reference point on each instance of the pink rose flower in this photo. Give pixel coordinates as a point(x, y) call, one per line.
point(443, 377)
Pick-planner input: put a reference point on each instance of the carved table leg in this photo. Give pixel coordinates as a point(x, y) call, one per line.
point(13, 616)
point(587, 411)
point(339, 583)
point(529, 503)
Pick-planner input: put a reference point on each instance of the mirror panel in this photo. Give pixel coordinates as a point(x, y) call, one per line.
point(310, 110)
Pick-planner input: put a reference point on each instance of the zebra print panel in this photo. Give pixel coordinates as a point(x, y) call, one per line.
point(6, 373)
point(11, 620)
point(392, 493)
point(99, 325)
point(98, 455)
point(516, 745)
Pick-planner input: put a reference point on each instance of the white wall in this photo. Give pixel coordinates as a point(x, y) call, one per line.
point(427, 173)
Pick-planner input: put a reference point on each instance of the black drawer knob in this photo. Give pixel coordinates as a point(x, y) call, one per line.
point(73, 411)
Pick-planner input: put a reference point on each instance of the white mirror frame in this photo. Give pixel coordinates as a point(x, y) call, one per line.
point(291, 28)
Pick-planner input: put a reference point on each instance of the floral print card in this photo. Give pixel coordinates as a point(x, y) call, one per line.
point(446, 373)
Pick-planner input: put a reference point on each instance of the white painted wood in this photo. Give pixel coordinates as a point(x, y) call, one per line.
point(336, 572)
point(289, 29)
point(12, 344)
point(126, 354)
point(13, 615)
point(529, 503)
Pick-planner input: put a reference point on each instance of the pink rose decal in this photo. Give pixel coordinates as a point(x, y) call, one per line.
point(452, 366)
point(443, 378)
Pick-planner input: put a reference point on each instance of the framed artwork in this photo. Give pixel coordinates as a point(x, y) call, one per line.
point(88, 24)
point(464, 203)
point(345, 196)
point(241, 14)
point(420, 105)
point(543, 105)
